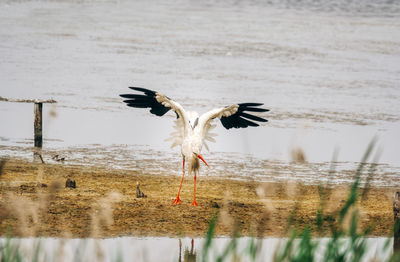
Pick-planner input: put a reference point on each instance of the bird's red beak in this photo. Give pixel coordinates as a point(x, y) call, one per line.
point(202, 159)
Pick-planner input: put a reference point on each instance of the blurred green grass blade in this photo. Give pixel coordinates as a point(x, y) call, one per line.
point(209, 237)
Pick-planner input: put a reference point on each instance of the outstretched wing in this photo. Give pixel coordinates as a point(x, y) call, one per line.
point(236, 115)
point(159, 105)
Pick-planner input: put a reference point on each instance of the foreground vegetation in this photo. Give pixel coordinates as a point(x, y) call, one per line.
point(346, 242)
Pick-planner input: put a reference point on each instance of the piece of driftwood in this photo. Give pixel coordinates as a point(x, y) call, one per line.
point(139, 193)
point(37, 156)
point(396, 215)
point(58, 158)
point(2, 164)
point(70, 183)
point(215, 205)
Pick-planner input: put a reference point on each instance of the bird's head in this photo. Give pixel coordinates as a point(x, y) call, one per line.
point(199, 156)
point(191, 151)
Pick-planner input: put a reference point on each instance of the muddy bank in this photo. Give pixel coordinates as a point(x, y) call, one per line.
point(35, 202)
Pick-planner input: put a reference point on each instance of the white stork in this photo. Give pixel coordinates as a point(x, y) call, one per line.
point(192, 130)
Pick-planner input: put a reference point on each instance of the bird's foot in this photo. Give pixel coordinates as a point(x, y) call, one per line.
point(194, 203)
point(176, 201)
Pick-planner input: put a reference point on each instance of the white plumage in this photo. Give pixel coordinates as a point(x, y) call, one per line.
point(192, 131)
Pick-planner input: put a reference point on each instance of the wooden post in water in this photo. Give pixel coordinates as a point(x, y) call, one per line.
point(396, 214)
point(38, 134)
point(37, 126)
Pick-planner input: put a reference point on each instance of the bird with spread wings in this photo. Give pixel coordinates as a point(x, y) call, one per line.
point(191, 130)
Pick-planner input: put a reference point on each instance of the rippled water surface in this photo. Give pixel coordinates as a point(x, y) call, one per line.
point(328, 71)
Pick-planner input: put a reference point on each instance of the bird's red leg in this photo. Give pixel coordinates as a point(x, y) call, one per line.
point(177, 199)
point(194, 203)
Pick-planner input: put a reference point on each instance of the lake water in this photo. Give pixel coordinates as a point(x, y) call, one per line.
point(167, 249)
point(328, 71)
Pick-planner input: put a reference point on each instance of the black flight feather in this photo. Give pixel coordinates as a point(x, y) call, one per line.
point(144, 90)
point(255, 118)
point(146, 100)
point(241, 119)
point(250, 104)
point(253, 109)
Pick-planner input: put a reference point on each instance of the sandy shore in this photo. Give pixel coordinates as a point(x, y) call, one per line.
point(35, 202)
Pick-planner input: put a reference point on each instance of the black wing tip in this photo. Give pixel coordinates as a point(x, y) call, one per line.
point(252, 117)
point(146, 100)
point(250, 104)
point(136, 88)
point(241, 119)
point(144, 90)
point(252, 107)
point(259, 109)
point(147, 93)
point(126, 95)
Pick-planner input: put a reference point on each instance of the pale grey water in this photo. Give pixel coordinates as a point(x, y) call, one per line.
point(329, 72)
point(167, 249)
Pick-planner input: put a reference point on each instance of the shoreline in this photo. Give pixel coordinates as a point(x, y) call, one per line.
point(35, 202)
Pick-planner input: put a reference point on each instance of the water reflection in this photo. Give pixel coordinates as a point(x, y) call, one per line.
point(142, 249)
point(189, 255)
